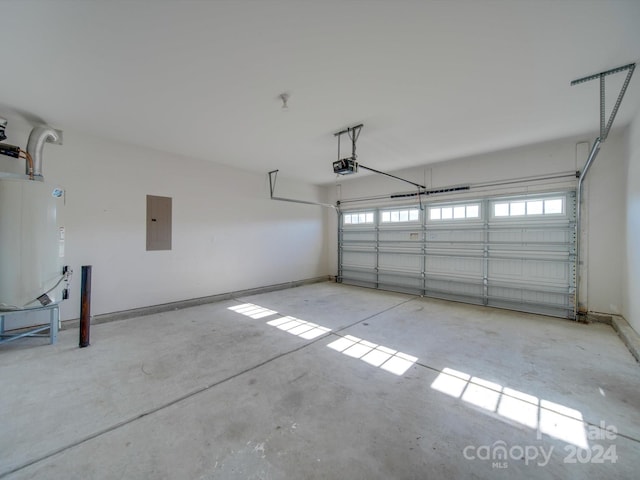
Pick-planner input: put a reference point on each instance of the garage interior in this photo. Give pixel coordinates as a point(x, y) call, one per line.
point(326, 240)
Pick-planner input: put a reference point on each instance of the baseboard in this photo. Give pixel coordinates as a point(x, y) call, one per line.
point(193, 302)
point(628, 335)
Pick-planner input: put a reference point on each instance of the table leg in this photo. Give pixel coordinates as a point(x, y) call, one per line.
point(53, 330)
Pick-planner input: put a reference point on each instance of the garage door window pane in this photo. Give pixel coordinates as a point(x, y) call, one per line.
point(386, 216)
point(517, 208)
point(414, 215)
point(459, 212)
point(501, 209)
point(434, 213)
point(447, 213)
point(553, 206)
point(534, 208)
point(404, 215)
point(473, 211)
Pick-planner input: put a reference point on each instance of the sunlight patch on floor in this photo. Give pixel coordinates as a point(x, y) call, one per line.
point(376, 355)
point(557, 421)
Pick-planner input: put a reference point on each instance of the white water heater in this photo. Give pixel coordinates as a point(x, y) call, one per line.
point(31, 242)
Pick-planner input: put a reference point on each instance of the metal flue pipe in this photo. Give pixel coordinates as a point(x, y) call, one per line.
point(37, 138)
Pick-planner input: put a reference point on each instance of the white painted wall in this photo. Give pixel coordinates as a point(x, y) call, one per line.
point(227, 234)
point(631, 288)
point(604, 206)
point(603, 203)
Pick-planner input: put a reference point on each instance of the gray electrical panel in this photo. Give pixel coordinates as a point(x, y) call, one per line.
point(158, 223)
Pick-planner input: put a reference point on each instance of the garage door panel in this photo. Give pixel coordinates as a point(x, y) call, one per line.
point(454, 264)
point(545, 272)
point(536, 308)
point(528, 293)
point(359, 258)
point(361, 236)
point(402, 261)
point(355, 276)
point(533, 236)
point(458, 235)
point(408, 235)
point(403, 280)
point(358, 283)
point(542, 252)
point(452, 288)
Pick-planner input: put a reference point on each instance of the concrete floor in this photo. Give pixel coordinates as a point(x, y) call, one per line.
point(217, 392)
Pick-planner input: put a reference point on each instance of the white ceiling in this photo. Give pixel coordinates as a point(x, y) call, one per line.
point(430, 80)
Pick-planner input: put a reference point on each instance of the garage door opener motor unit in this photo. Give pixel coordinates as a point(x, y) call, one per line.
point(349, 165)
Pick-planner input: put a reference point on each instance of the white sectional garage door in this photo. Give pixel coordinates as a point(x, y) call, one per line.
point(510, 252)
